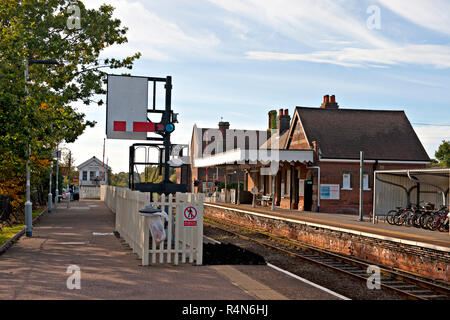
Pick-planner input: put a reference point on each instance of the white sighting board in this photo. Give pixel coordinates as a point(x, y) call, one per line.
point(126, 103)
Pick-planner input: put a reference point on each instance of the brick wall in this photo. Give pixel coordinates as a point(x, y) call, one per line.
point(331, 173)
point(422, 261)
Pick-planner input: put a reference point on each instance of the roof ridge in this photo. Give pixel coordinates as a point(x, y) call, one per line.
point(95, 159)
point(348, 109)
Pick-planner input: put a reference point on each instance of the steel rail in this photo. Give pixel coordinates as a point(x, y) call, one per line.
point(395, 281)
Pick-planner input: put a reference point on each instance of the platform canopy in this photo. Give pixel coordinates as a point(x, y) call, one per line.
point(257, 157)
point(399, 188)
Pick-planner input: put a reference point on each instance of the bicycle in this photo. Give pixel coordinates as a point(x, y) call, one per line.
point(442, 222)
point(390, 216)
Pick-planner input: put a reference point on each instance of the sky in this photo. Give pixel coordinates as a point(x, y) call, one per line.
point(237, 59)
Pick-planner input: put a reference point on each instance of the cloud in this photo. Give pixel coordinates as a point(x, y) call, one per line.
point(239, 29)
point(156, 38)
point(335, 32)
point(428, 55)
point(308, 21)
point(432, 136)
point(419, 82)
point(429, 14)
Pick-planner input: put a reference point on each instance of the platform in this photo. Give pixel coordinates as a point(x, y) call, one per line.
point(82, 235)
point(349, 223)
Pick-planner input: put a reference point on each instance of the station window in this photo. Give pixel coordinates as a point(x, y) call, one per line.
point(347, 181)
point(366, 181)
point(84, 175)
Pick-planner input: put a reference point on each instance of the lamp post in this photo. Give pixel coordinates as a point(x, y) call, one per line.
point(57, 169)
point(68, 179)
point(361, 182)
point(28, 203)
point(50, 200)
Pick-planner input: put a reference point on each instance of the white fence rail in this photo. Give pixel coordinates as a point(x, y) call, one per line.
point(183, 243)
point(88, 192)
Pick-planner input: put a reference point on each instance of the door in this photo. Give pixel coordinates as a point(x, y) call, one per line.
point(308, 195)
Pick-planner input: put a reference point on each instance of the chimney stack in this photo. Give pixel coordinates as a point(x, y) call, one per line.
point(272, 120)
point(283, 121)
point(224, 126)
point(329, 102)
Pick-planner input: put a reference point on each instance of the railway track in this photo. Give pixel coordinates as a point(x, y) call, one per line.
point(405, 285)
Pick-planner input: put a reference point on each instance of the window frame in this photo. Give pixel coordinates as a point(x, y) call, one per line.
point(368, 182)
point(350, 183)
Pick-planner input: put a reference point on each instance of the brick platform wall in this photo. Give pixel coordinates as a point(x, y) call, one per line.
point(422, 261)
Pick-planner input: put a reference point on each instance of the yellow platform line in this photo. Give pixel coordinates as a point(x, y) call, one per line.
point(249, 285)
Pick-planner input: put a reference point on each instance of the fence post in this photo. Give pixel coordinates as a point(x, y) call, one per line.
point(155, 202)
point(177, 227)
point(191, 200)
point(145, 242)
point(161, 244)
point(200, 200)
point(169, 229)
point(183, 229)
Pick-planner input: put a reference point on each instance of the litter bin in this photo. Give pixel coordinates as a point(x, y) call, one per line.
point(153, 217)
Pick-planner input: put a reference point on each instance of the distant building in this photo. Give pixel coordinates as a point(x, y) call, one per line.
point(213, 141)
point(318, 156)
point(91, 172)
point(337, 136)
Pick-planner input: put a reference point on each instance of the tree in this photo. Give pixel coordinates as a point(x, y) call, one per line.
point(443, 154)
point(151, 175)
point(34, 29)
point(119, 179)
point(68, 163)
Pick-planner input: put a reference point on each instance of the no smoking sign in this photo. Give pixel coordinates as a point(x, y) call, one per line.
point(190, 216)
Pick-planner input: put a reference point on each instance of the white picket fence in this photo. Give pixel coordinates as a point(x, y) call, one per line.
point(183, 243)
point(89, 192)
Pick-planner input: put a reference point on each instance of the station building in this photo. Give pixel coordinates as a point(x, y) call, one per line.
point(93, 172)
point(318, 153)
point(213, 141)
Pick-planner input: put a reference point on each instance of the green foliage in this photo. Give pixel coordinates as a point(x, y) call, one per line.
point(119, 179)
point(443, 154)
point(35, 29)
point(7, 233)
point(232, 185)
point(150, 174)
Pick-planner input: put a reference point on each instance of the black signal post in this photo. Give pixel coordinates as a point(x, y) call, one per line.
point(162, 144)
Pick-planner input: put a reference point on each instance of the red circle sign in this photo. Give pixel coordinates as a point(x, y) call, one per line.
point(190, 213)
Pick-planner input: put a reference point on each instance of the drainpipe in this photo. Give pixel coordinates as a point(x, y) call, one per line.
point(361, 189)
point(412, 178)
point(318, 185)
point(374, 205)
point(274, 177)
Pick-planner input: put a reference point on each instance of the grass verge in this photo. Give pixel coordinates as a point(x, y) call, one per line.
point(8, 232)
